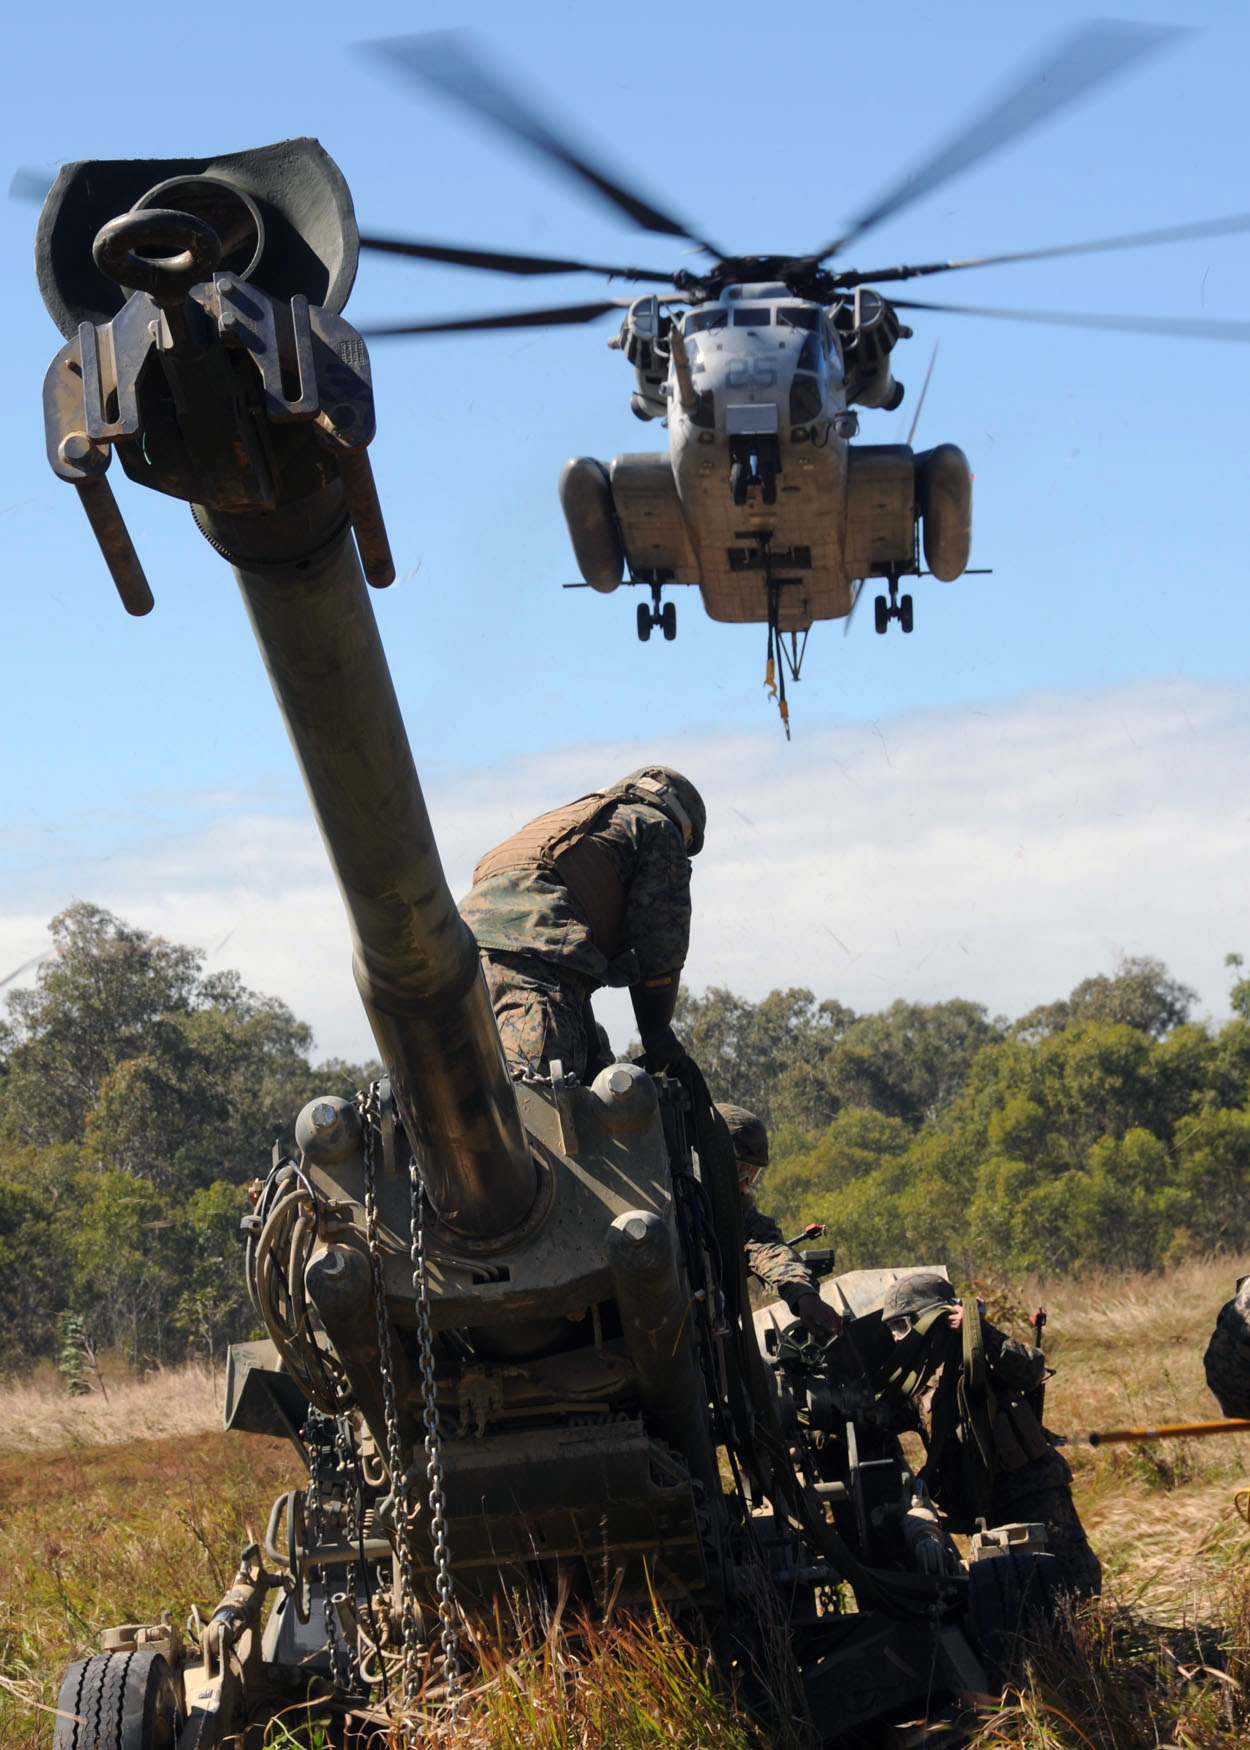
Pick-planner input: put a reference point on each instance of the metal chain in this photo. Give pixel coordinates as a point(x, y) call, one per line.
point(370, 1111)
point(341, 1660)
point(449, 1637)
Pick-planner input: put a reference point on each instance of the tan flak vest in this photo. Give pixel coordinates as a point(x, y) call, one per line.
point(559, 844)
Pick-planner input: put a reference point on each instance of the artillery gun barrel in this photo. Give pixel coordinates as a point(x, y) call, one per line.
point(415, 960)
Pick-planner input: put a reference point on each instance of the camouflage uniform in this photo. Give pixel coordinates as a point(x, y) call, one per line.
point(594, 894)
point(1227, 1359)
point(775, 1264)
point(1030, 1481)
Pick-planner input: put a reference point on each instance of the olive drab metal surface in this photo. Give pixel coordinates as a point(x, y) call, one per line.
point(508, 1332)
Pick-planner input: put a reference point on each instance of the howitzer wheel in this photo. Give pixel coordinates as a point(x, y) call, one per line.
point(118, 1701)
point(1227, 1360)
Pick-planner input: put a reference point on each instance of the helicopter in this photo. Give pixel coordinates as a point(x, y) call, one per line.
point(756, 367)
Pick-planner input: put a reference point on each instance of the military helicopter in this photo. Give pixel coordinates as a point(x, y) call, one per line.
point(756, 365)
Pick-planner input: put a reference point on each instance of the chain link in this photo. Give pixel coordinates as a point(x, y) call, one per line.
point(449, 1636)
point(371, 1117)
point(342, 1660)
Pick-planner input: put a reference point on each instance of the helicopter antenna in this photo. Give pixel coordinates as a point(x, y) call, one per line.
point(924, 390)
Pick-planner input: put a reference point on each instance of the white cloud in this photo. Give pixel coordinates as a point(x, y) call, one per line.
point(999, 852)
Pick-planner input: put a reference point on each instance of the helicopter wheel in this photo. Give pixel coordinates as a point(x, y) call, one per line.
point(644, 621)
point(881, 615)
point(668, 620)
point(739, 480)
point(905, 616)
point(768, 485)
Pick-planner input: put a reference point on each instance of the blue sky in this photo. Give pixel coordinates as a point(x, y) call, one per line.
point(147, 768)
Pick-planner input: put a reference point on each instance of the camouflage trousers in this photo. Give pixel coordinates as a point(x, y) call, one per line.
point(1041, 1490)
point(543, 1014)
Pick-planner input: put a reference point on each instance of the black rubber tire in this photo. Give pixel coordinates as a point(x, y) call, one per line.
point(118, 1701)
point(881, 615)
point(1005, 1594)
point(1227, 1360)
point(644, 621)
point(906, 619)
point(738, 482)
point(668, 620)
point(768, 486)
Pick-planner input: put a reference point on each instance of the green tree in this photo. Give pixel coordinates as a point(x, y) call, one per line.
point(1140, 993)
point(94, 1004)
point(910, 1060)
point(766, 1056)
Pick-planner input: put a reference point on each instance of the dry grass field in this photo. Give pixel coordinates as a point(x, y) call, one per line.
point(117, 1510)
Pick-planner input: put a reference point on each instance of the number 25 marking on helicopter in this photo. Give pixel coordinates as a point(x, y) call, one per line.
point(756, 366)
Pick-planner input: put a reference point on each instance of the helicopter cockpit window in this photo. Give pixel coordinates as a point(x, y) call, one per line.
point(811, 355)
point(798, 316)
point(759, 317)
point(701, 319)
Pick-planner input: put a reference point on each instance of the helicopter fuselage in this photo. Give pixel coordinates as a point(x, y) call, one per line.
point(757, 440)
point(762, 500)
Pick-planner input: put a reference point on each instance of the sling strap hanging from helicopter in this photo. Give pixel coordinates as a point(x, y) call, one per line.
point(779, 659)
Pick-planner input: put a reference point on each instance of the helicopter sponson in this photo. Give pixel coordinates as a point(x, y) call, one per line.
point(762, 500)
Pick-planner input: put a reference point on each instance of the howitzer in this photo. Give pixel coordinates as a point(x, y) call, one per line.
point(507, 1318)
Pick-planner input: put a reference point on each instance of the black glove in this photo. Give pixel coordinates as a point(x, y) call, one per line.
point(664, 1051)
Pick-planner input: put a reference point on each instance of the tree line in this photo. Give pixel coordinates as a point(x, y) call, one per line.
point(140, 1096)
point(1108, 1130)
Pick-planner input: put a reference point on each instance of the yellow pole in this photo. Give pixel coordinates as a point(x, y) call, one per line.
point(1168, 1431)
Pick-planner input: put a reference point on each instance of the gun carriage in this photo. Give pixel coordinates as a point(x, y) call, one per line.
point(508, 1330)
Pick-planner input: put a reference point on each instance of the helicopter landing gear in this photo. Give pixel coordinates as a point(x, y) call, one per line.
point(897, 608)
point(662, 615)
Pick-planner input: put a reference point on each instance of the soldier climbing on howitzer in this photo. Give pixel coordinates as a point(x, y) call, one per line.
point(988, 1456)
point(596, 893)
point(769, 1258)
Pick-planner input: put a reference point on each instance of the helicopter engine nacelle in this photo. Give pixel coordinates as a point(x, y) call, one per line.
point(944, 500)
point(644, 341)
point(872, 330)
point(586, 500)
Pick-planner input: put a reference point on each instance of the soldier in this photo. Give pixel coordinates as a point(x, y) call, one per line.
point(1227, 1358)
point(593, 894)
point(988, 1454)
point(777, 1265)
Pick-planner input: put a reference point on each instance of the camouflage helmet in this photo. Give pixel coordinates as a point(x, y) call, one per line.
point(916, 1294)
point(747, 1133)
point(675, 797)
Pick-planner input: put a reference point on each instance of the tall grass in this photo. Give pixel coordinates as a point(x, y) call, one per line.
point(117, 1512)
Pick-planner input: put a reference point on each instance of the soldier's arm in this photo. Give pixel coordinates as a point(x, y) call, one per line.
point(1016, 1367)
point(779, 1267)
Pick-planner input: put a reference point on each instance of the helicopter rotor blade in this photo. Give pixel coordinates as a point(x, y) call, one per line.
point(1172, 327)
point(1090, 55)
point(444, 61)
point(563, 315)
point(857, 590)
point(496, 261)
point(1228, 227)
point(30, 185)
